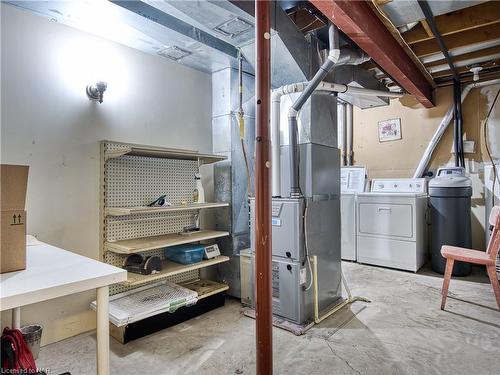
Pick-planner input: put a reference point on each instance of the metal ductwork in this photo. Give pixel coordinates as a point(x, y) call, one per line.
point(206, 35)
point(326, 67)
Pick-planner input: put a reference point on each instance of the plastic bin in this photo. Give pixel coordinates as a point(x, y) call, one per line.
point(32, 335)
point(185, 254)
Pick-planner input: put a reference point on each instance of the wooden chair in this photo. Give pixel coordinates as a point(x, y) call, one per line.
point(488, 258)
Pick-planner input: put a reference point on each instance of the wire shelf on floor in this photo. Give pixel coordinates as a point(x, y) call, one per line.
point(141, 303)
point(170, 268)
point(124, 211)
point(137, 245)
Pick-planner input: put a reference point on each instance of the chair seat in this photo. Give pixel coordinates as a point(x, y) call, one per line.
point(466, 255)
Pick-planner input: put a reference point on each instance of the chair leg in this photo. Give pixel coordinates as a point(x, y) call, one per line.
point(494, 283)
point(446, 281)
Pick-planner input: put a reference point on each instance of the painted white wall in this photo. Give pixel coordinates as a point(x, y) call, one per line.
point(48, 123)
point(494, 121)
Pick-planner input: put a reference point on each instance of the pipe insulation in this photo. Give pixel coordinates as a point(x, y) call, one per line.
point(426, 157)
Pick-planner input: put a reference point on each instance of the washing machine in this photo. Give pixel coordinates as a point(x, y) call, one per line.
point(352, 182)
point(392, 224)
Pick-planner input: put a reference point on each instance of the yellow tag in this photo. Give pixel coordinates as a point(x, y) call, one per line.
point(241, 122)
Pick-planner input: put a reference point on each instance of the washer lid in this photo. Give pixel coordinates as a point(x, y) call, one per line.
point(450, 182)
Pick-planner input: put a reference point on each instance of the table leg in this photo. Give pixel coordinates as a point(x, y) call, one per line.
point(16, 317)
point(102, 331)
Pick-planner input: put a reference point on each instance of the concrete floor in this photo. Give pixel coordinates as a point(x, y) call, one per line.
point(402, 331)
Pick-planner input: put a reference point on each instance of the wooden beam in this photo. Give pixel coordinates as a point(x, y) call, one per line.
point(427, 28)
point(357, 20)
point(461, 20)
point(461, 39)
point(262, 181)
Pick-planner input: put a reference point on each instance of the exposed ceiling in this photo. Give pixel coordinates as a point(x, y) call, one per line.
point(204, 35)
point(470, 31)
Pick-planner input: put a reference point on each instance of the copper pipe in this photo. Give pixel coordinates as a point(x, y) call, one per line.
point(263, 256)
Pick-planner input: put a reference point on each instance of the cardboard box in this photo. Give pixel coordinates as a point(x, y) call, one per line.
point(13, 186)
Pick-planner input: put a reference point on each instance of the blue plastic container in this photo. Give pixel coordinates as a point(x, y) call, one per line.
point(185, 254)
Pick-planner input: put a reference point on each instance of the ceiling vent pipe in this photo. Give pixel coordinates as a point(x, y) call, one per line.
point(333, 57)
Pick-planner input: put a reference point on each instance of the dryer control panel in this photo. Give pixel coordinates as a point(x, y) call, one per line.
point(399, 185)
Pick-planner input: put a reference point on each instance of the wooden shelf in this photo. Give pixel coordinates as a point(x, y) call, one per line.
point(205, 288)
point(137, 245)
point(170, 269)
point(123, 211)
point(160, 152)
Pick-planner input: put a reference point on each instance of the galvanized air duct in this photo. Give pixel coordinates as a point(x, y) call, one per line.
point(322, 86)
point(333, 56)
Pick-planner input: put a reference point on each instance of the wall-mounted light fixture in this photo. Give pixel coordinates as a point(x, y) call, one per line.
point(96, 91)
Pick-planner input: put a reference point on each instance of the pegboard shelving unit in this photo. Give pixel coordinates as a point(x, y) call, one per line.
point(132, 176)
point(171, 269)
point(124, 211)
point(138, 245)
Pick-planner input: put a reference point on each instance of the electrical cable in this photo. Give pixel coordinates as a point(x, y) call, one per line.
point(488, 151)
point(241, 122)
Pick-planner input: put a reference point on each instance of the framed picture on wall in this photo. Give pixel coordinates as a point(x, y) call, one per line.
point(389, 130)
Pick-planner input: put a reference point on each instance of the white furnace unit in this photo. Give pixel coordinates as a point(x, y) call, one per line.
point(392, 224)
point(352, 181)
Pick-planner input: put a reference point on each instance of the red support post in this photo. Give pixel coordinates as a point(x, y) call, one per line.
point(263, 255)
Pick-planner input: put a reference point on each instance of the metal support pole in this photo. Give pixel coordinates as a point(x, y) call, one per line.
point(263, 300)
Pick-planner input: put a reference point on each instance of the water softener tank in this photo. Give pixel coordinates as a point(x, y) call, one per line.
point(450, 200)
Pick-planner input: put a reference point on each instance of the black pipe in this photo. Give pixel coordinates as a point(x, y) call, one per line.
point(460, 125)
point(432, 24)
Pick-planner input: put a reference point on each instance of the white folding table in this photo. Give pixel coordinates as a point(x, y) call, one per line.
point(52, 272)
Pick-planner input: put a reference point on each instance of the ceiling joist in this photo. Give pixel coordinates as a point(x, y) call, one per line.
point(462, 39)
point(462, 20)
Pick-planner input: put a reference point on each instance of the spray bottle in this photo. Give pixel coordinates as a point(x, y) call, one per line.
point(198, 192)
